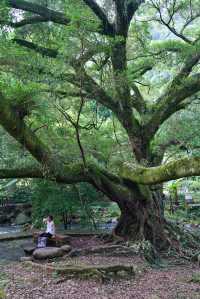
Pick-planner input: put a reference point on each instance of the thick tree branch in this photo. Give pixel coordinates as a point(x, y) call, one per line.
point(99, 12)
point(132, 7)
point(52, 53)
point(28, 21)
point(124, 13)
point(74, 173)
point(186, 69)
point(82, 78)
point(52, 167)
point(57, 17)
point(122, 106)
point(21, 173)
point(154, 175)
point(171, 102)
point(48, 14)
point(18, 129)
point(182, 87)
point(138, 101)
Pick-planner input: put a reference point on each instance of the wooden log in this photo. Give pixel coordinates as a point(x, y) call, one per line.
point(86, 271)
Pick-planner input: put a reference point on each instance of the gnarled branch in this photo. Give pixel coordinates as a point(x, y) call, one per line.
point(154, 175)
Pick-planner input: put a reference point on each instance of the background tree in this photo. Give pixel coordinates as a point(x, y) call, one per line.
point(74, 69)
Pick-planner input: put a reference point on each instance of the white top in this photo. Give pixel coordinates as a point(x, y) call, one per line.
point(50, 227)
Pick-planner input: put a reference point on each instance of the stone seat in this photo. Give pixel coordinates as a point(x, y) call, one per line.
point(47, 253)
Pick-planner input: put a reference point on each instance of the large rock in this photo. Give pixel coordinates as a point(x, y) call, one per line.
point(22, 218)
point(47, 253)
point(29, 248)
point(26, 258)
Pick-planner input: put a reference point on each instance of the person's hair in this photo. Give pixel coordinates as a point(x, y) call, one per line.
point(50, 217)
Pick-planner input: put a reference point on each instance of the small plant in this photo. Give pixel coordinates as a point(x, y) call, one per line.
point(2, 294)
point(195, 278)
point(55, 275)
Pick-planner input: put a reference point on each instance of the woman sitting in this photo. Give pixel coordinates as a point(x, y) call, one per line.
point(50, 229)
point(48, 234)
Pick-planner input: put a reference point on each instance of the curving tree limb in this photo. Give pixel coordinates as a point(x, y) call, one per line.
point(155, 175)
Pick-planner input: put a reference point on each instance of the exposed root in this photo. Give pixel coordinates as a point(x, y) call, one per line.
point(112, 250)
point(174, 241)
point(100, 272)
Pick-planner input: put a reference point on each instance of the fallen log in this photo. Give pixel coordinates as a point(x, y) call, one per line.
point(102, 272)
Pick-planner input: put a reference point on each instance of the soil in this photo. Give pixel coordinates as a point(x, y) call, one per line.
point(177, 279)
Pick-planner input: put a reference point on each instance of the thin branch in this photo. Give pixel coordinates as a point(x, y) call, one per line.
point(168, 23)
point(40, 127)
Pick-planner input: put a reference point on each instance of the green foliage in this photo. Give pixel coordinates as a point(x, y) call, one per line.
point(81, 201)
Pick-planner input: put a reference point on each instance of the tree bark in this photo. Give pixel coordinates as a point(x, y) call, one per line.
point(142, 218)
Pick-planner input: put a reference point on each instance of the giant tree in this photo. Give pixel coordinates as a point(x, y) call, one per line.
point(138, 59)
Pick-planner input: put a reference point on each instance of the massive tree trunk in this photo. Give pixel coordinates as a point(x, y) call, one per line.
point(142, 214)
point(142, 218)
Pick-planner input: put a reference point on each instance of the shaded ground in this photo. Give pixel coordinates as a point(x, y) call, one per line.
point(169, 283)
point(175, 281)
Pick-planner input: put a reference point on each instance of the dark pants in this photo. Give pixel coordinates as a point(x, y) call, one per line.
point(47, 235)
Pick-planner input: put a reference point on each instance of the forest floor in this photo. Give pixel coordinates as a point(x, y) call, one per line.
point(177, 279)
